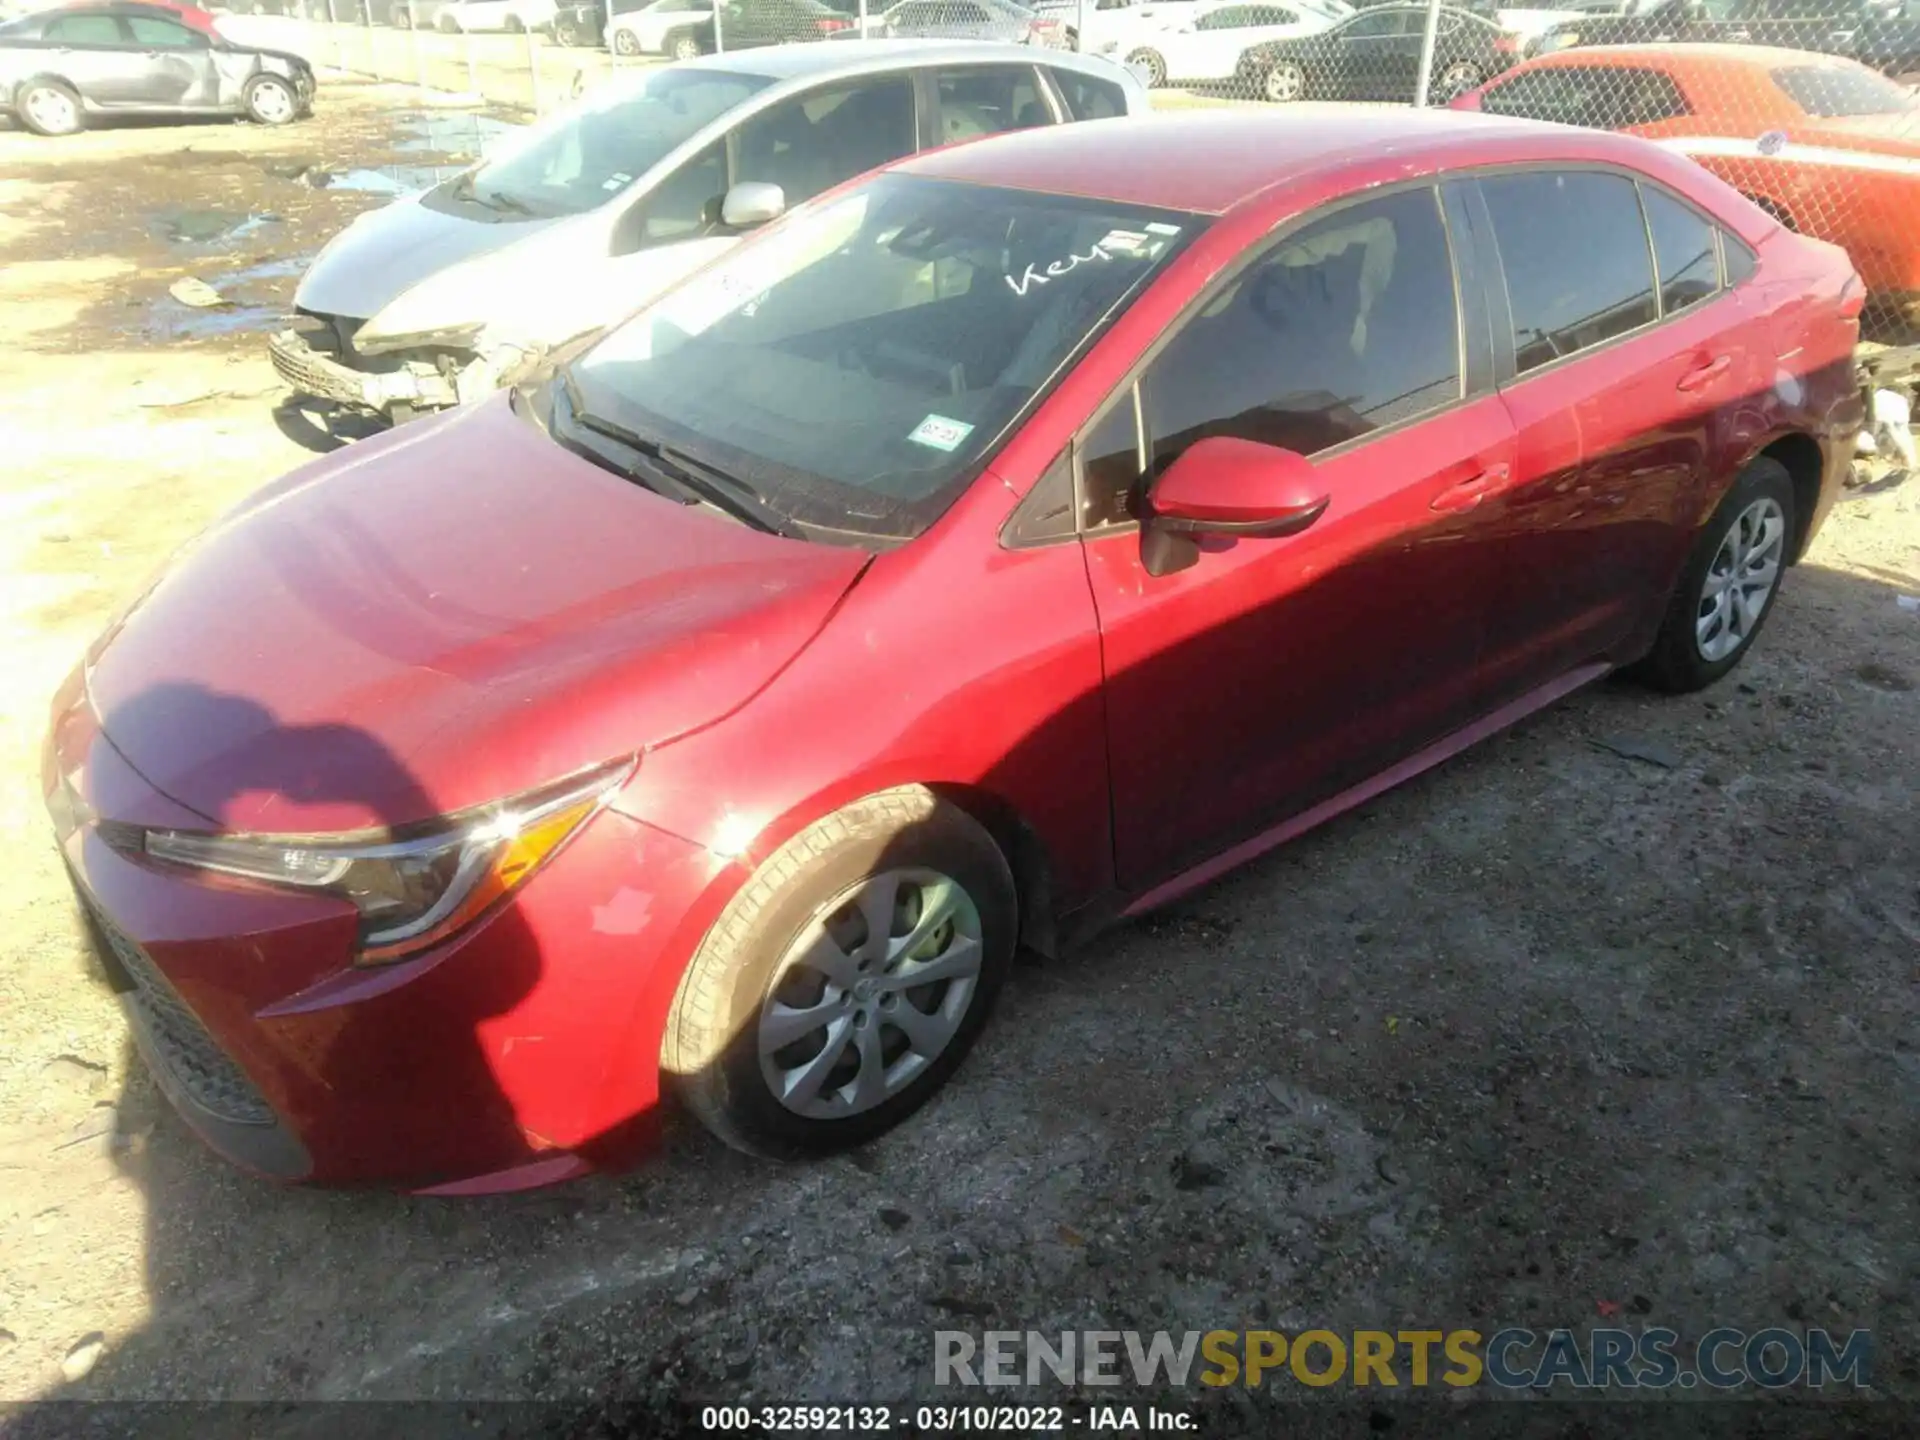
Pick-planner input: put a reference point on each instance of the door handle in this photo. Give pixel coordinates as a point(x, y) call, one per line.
point(1704, 375)
point(1467, 493)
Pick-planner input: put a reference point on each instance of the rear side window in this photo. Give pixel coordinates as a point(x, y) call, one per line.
point(988, 100)
point(84, 30)
point(1345, 327)
point(1574, 252)
point(1602, 97)
point(1740, 260)
point(1683, 251)
point(1834, 91)
point(1089, 98)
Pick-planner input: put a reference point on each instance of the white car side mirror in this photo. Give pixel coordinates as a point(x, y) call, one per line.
point(750, 203)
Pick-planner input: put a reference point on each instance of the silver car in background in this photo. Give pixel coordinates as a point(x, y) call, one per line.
point(585, 216)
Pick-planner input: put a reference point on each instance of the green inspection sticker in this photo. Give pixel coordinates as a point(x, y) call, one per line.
point(939, 433)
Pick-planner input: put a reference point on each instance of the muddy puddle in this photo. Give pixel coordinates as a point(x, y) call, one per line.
point(258, 298)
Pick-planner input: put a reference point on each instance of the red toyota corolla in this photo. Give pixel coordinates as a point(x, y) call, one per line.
point(1002, 544)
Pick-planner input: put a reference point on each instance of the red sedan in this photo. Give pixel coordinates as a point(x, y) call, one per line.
point(1002, 544)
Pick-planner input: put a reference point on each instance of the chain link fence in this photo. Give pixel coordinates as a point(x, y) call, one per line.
point(1807, 106)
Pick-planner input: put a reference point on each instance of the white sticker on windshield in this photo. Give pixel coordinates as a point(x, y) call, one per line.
point(1160, 227)
point(937, 432)
point(1125, 242)
point(616, 181)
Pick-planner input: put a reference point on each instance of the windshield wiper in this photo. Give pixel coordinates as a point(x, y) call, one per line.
point(693, 480)
point(497, 200)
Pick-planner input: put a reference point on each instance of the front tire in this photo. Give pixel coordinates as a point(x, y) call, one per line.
point(402, 18)
point(685, 46)
point(847, 979)
point(47, 107)
point(271, 101)
point(567, 32)
point(625, 43)
point(1729, 584)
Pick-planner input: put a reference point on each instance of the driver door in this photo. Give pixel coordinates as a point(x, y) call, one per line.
point(178, 65)
point(1271, 674)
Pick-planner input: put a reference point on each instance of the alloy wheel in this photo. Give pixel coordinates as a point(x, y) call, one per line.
point(686, 47)
point(870, 993)
point(51, 110)
point(1285, 83)
point(1741, 580)
point(1457, 79)
point(273, 103)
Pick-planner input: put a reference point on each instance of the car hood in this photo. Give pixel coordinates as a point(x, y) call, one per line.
point(448, 614)
point(387, 251)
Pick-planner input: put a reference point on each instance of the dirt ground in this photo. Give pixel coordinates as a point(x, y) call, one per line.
point(1552, 1030)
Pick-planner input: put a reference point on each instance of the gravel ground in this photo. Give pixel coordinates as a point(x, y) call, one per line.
point(1618, 1010)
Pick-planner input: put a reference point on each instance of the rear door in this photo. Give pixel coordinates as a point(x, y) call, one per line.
point(1271, 674)
point(1623, 361)
point(95, 52)
point(975, 100)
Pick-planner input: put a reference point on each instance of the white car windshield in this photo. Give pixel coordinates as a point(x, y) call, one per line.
point(855, 366)
point(584, 156)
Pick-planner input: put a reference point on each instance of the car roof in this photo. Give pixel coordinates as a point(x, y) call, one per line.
point(1689, 56)
point(812, 60)
point(1207, 161)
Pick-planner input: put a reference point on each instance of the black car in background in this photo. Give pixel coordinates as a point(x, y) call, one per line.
point(579, 22)
point(61, 68)
point(1375, 55)
point(1882, 33)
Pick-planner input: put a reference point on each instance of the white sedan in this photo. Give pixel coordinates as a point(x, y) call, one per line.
point(679, 29)
point(1208, 46)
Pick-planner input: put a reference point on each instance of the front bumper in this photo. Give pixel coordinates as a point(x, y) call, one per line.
point(308, 371)
point(524, 1051)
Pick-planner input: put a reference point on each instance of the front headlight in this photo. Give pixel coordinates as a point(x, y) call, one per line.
point(1560, 40)
point(412, 891)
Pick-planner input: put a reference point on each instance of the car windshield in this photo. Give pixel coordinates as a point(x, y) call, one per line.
point(855, 366)
point(584, 156)
point(1834, 91)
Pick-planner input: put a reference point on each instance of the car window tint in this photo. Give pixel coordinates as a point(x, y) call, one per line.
point(1344, 327)
point(681, 207)
point(1088, 98)
point(1682, 250)
point(1109, 465)
point(85, 30)
point(161, 34)
point(988, 100)
point(1370, 26)
point(1739, 259)
point(1574, 250)
point(1605, 97)
point(1837, 91)
point(814, 142)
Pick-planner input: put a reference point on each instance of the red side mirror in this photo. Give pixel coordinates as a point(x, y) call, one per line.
point(1226, 486)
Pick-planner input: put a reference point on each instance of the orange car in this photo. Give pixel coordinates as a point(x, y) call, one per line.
point(1827, 145)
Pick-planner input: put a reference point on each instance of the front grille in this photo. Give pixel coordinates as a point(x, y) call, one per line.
point(193, 1058)
point(312, 373)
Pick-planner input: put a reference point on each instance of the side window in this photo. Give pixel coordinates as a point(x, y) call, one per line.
point(989, 99)
point(85, 30)
point(812, 143)
point(681, 207)
point(1371, 27)
point(1648, 96)
point(1088, 98)
point(1271, 15)
point(1683, 251)
point(1109, 466)
point(1342, 328)
point(1740, 260)
point(162, 34)
point(1574, 251)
